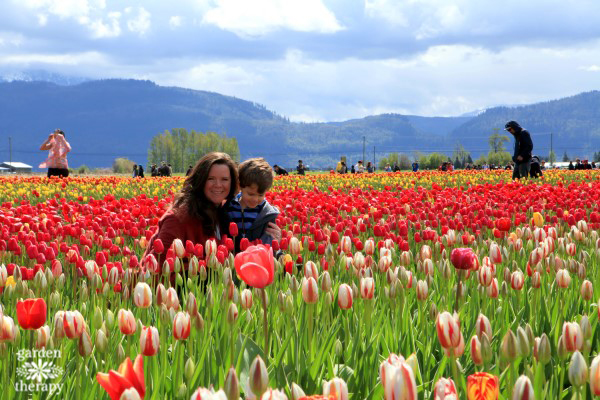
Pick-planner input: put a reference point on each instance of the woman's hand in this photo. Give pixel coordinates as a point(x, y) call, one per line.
point(274, 231)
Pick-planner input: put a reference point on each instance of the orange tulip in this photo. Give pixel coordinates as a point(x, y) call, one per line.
point(482, 386)
point(129, 375)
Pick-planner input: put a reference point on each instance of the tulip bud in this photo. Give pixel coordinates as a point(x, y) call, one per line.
point(188, 369)
point(101, 341)
point(97, 319)
point(476, 353)
point(572, 336)
point(578, 370)
point(561, 348)
point(337, 388)
point(310, 290)
point(433, 312)
point(508, 348)
point(523, 342)
point(523, 389)
point(85, 344)
point(297, 392)
point(259, 379)
point(541, 349)
point(232, 314)
point(232, 386)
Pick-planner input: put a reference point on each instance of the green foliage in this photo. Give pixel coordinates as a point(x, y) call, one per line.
point(565, 157)
point(432, 161)
point(461, 156)
point(84, 169)
point(181, 148)
point(402, 160)
point(123, 166)
point(552, 157)
point(496, 142)
point(499, 159)
point(596, 156)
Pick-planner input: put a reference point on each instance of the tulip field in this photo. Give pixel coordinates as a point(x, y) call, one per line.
point(429, 285)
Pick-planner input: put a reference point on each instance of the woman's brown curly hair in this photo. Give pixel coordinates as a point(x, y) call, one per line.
point(191, 200)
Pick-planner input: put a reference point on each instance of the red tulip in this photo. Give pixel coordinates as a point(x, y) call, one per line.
point(31, 313)
point(158, 246)
point(233, 229)
point(129, 375)
point(255, 266)
point(463, 258)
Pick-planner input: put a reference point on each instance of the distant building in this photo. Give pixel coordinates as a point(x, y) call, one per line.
point(17, 167)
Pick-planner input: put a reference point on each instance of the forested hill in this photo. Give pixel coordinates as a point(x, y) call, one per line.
point(117, 118)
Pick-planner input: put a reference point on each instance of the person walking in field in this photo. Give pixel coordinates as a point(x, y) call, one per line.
point(57, 157)
point(523, 149)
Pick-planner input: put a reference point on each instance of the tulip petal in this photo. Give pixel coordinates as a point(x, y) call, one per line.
point(254, 275)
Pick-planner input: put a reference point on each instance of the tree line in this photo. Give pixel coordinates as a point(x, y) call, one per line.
point(181, 148)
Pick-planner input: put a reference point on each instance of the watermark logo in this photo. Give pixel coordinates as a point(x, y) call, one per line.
point(37, 368)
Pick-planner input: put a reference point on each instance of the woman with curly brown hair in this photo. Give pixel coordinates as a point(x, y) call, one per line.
point(196, 213)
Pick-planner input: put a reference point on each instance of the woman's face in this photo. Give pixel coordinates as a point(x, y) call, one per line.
point(218, 184)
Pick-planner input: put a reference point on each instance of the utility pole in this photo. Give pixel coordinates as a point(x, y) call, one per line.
point(551, 148)
point(364, 144)
point(374, 165)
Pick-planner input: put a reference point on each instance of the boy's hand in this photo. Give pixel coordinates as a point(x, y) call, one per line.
point(274, 231)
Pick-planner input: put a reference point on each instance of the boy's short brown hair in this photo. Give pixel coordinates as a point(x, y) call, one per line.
point(256, 171)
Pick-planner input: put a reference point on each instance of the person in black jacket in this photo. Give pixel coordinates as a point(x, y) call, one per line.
point(523, 148)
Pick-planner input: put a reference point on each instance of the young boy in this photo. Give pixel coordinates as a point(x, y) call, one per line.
point(253, 215)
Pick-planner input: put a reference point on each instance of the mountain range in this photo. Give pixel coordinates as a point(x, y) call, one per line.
point(106, 119)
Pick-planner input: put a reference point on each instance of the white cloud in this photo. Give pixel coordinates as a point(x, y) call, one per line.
point(8, 39)
point(109, 29)
point(175, 21)
point(140, 24)
point(42, 19)
point(260, 17)
point(65, 59)
point(591, 68)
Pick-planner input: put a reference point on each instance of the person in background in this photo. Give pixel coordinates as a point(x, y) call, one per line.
point(170, 170)
point(360, 168)
point(571, 166)
point(370, 168)
point(301, 169)
point(279, 171)
point(415, 167)
point(344, 169)
point(56, 162)
point(535, 169)
point(586, 165)
point(140, 171)
point(395, 168)
point(153, 170)
point(135, 171)
point(578, 164)
point(352, 169)
point(523, 149)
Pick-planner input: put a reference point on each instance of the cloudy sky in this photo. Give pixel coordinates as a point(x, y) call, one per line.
point(319, 60)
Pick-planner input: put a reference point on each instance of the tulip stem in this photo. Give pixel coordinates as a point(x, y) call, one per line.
point(263, 298)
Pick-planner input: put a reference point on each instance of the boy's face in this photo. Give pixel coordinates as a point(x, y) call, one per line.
point(251, 197)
